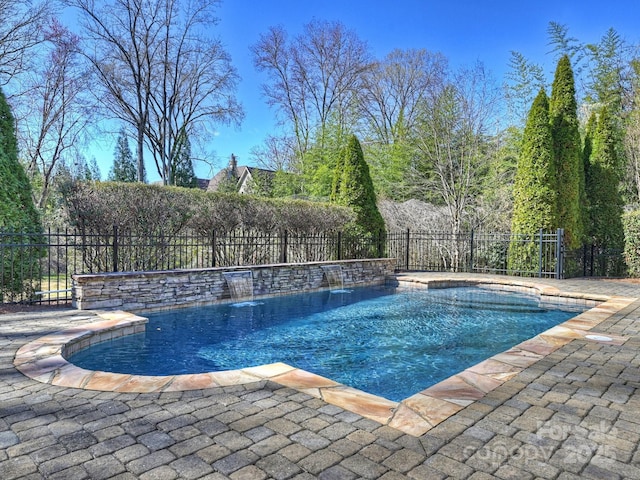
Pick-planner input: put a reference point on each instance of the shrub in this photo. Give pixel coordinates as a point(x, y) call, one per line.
point(138, 208)
point(631, 223)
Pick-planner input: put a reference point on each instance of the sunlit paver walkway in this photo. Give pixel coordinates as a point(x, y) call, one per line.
point(573, 414)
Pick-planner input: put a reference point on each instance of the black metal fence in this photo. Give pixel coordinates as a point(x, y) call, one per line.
point(594, 261)
point(38, 268)
point(476, 252)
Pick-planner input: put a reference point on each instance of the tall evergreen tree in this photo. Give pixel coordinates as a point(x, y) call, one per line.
point(17, 210)
point(587, 149)
point(124, 166)
point(182, 174)
point(355, 188)
point(603, 186)
point(85, 170)
point(567, 151)
point(535, 189)
point(19, 271)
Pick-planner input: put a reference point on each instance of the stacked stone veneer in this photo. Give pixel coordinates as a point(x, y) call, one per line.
point(158, 290)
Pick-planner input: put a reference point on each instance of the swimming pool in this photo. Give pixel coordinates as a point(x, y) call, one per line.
point(391, 342)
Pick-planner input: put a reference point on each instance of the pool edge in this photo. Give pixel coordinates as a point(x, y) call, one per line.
point(43, 360)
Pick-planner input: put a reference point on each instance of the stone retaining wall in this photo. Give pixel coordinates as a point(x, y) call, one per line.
point(159, 290)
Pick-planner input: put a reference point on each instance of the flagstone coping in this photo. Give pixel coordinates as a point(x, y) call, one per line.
point(44, 360)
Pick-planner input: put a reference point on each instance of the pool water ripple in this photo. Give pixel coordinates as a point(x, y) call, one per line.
point(389, 342)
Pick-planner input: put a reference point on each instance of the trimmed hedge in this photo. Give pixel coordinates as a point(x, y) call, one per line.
point(152, 209)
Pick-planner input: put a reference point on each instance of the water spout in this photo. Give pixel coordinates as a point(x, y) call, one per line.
point(240, 285)
point(334, 278)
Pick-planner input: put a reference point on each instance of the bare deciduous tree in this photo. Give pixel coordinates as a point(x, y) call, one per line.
point(395, 87)
point(275, 153)
point(453, 141)
point(21, 29)
point(55, 109)
point(313, 79)
point(160, 70)
point(121, 40)
point(194, 81)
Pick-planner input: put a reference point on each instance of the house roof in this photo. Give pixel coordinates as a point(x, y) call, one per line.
point(241, 173)
point(203, 183)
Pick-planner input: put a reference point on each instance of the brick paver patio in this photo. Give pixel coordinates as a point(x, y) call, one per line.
point(573, 414)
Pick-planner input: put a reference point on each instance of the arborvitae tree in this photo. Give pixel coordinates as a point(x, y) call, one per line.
point(603, 187)
point(19, 266)
point(567, 151)
point(535, 189)
point(17, 210)
point(124, 166)
point(587, 149)
point(182, 174)
point(355, 188)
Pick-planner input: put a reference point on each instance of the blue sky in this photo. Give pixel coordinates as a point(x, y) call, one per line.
point(465, 31)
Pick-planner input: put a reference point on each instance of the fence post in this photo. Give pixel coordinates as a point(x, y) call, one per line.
point(471, 253)
point(540, 253)
point(115, 248)
point(339, 245)
point(559, 253)
point(283, 246)
point(407, 249)
point(213, 248)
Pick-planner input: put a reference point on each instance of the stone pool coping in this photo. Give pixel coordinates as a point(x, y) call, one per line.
point(44, 359)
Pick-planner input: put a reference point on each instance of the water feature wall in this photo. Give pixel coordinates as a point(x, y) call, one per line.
point(159, 290)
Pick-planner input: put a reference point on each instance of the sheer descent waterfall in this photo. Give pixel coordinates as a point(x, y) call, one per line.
point(334, 277)
point(240, 284)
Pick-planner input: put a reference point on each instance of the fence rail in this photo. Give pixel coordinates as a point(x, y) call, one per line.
point(37, 268)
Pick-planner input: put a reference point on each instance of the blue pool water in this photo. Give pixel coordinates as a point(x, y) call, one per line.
point(385, 341)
